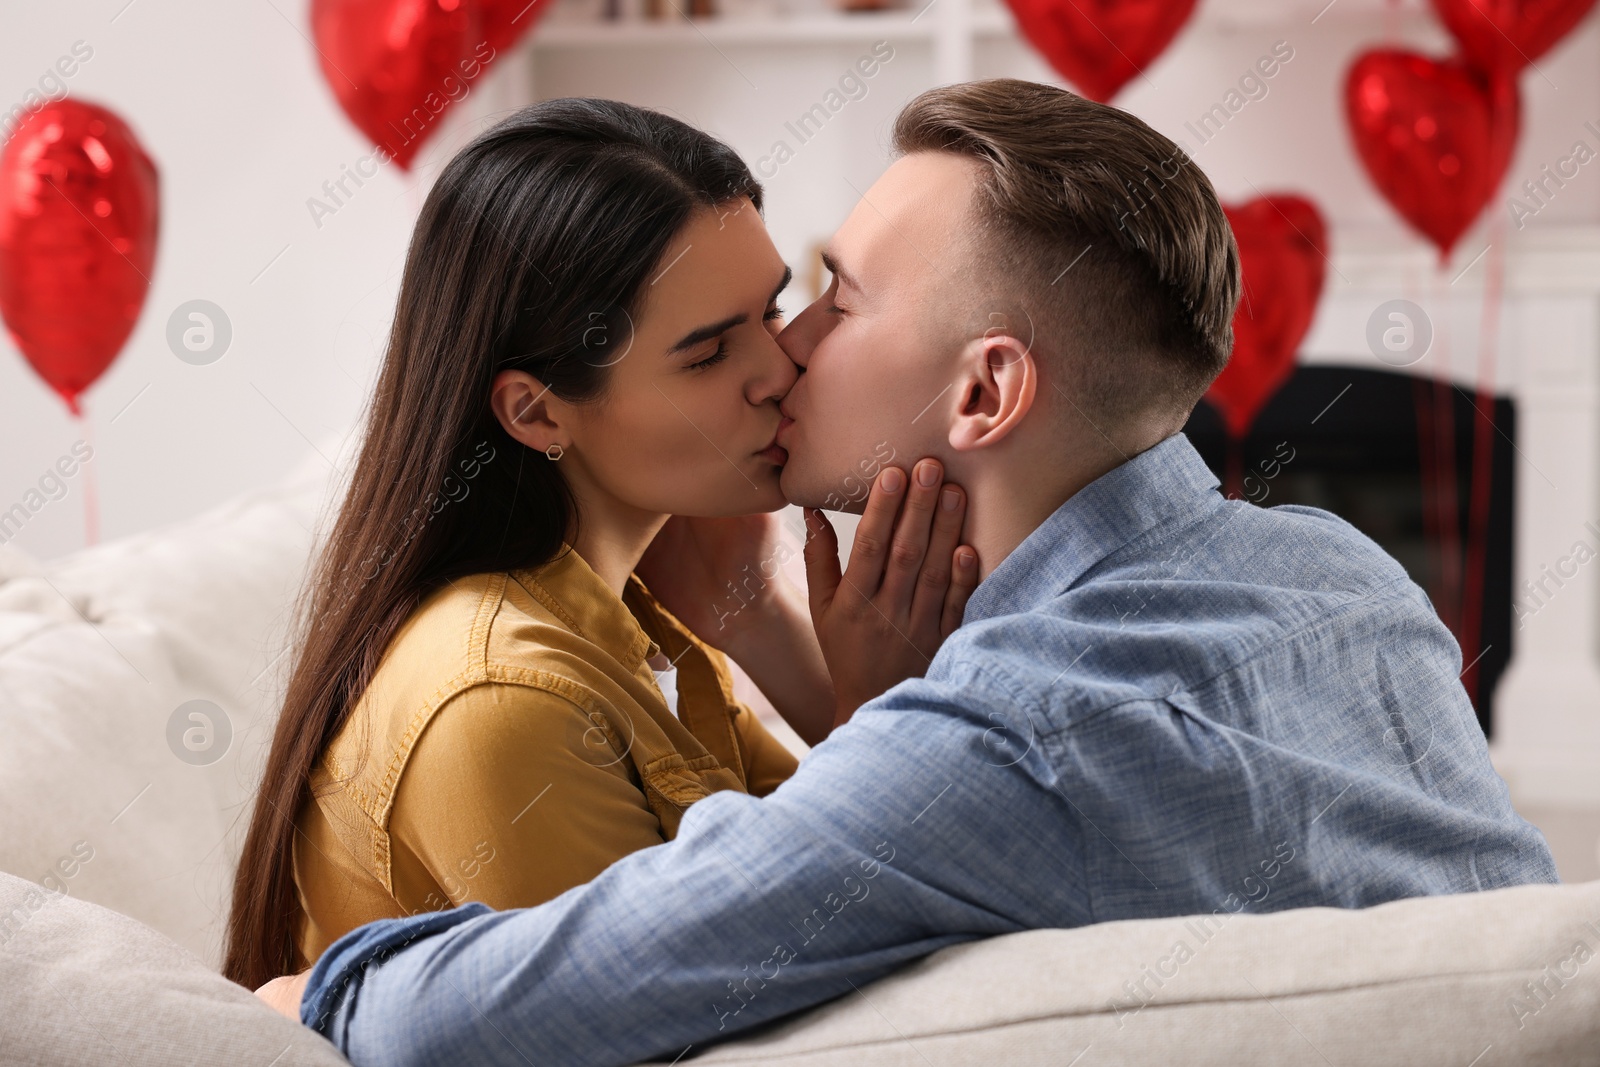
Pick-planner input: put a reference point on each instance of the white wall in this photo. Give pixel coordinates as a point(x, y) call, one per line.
point(228, 100)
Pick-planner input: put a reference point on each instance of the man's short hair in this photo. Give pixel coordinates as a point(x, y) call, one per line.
point(1102, 230)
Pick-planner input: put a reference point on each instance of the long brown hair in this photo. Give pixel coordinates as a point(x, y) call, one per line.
point(530, 253)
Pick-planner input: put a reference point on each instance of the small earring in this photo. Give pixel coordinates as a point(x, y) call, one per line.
point(555, 451)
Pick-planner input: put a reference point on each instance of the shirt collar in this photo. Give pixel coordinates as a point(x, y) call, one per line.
point(1163, 481)
point(581, 599)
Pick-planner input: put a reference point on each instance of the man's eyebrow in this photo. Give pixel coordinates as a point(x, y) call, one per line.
point(705, 333)
point(831, 261)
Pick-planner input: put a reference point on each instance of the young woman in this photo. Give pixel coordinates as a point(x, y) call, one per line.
point(487, 702)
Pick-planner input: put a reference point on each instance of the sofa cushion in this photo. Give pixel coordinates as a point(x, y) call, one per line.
point(82, 984)
point(1510, 976)
point(104, 768)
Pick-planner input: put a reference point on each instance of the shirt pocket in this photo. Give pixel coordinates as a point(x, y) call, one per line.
point(672, 783)
point(677, 780)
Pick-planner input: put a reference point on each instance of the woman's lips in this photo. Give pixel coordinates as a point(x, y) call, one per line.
point(776, 453)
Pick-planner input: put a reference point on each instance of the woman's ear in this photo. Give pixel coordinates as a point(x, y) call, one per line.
point(528, 411)
point(997, 380)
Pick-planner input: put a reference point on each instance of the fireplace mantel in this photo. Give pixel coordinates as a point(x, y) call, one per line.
point(1547, 707)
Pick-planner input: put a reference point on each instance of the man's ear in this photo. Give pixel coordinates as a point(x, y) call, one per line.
point(528, 411)
point(997, 381)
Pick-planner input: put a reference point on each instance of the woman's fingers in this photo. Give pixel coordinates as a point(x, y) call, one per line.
point(905, 589)
point(963, 581)
point(874, 534)
point(822, 562)
point(933, 581)
point(911, 548)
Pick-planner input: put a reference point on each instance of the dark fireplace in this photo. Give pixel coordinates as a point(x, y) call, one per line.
point(1356, 437)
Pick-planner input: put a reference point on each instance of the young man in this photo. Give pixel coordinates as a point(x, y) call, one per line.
point(1160, 701)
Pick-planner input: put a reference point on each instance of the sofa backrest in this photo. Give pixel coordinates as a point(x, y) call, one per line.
point(139, 680)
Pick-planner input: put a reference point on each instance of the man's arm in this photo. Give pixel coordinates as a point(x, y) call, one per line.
point(907, 832)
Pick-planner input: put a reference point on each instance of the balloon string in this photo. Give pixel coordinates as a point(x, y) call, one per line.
point(1444, 424)
point(1391, 22)
point(91, 496)
point(1425, 465)
point(1448, 507)
point(1233, 476)
point(1436, 456)
point(1483, 431)
point(1422, 416)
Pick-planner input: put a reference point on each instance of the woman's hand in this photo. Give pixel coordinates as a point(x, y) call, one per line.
point(283, 994)
point(904, 591)
point(721, 578)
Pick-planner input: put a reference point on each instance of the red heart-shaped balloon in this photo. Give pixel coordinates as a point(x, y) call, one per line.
point(1436, 135)
point(396, 66)
point(1282, 257)
point(79, 213)
point(1506, 35)
point(503, 22)
point(1100, 45)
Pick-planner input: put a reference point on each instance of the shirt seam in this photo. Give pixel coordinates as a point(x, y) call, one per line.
point(537, 590)
point(1374, 598)
point(488, 606)
point(1006, 682)
point(1172, 526)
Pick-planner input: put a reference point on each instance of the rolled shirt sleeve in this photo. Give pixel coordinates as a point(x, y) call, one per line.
point(767, 763)
point(882, 848)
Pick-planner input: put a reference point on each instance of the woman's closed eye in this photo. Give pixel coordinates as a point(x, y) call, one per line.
point(773, 314)
point(714, 358)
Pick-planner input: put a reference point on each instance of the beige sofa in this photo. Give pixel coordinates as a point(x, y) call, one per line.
point(137, 686)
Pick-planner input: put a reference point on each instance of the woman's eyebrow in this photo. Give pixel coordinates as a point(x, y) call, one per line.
point(788, 276)
point(701, 334)
point(706, 333)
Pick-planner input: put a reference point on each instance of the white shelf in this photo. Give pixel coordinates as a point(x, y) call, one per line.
point(777, 30)
point(982, 20)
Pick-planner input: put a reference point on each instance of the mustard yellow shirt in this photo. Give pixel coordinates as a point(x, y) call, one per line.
point(512, 744)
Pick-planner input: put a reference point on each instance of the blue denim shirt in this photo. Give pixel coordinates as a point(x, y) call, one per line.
point(1162, 702)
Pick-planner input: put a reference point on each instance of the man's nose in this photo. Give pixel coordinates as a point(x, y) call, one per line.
point(778, 375)
point(789, 341)
point(801, 335)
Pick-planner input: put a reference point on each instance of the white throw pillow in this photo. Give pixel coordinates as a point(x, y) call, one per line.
point(106, 766)
point(83, 985)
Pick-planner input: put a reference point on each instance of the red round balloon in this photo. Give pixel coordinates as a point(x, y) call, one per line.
point(79, 213)
point(1100, 45)
point(1282, 256)
point(1436, 135)
point(1506, 35)
point(396, 66)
